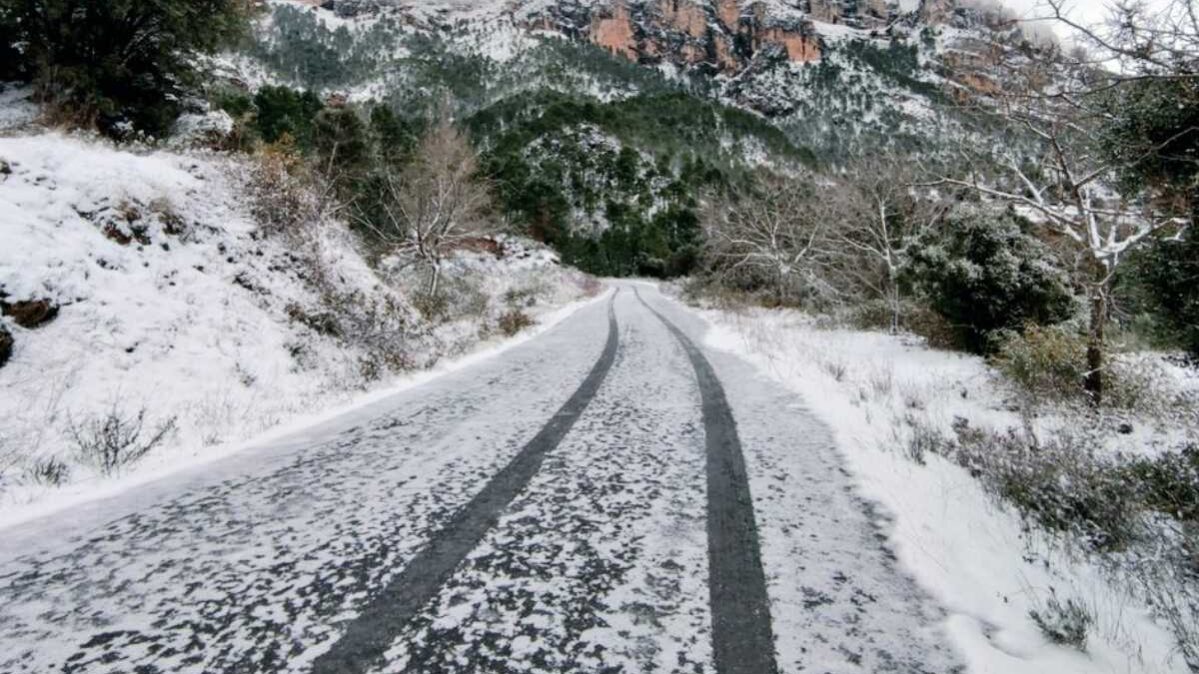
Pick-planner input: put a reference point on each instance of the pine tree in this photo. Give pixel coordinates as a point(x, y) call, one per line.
point(119, 65)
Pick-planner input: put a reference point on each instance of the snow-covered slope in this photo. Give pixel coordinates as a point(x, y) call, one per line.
point(975, 555)
point(172, 304)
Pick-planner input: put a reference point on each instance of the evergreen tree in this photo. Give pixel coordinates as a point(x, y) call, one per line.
point(120, 65)
point(285, 111)
point(1170, 271)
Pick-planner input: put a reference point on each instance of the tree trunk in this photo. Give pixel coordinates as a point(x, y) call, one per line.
point(1097, 295)
point(435, 280)
point(894, 300)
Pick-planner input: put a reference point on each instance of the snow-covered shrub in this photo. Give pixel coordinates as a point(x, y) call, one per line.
point(513, 321)
point(1138, 517)
point(1049, 365)
point(985, 274)
point(926, 439)
point(1064, 484)
point(117, 439)
point(1166, 573)
point(208, 129)
point(382, 327)
point(1044, 364)
point(51, 472)
point(281, 190)
point(1170, 483)
point(1065, 623)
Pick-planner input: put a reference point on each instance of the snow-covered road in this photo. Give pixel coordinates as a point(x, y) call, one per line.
point(560, 508)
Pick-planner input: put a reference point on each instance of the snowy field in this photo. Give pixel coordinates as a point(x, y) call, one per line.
point(174, 308)
point(975, 556)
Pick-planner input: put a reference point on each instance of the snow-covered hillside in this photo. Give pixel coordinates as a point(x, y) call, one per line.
point(165, 305)
point(835, 77)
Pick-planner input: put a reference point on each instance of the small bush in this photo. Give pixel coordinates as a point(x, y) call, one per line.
point(1049, 364)
point(1065, 624)
point(1063, 484)
point(1169, 483)
point(281, 189)
point(1045, 364)
point(513, 321)
point(834, 369)
point(51, 472)
point(520, 297)
point(114, 440)
point(926, 439)
point(936, 330)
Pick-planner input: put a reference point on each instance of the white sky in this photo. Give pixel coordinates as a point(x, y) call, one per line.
point(1087, 12)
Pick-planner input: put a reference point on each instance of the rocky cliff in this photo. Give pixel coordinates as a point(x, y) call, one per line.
point(720, 36)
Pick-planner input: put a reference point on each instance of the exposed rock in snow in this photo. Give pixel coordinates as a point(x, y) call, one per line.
point(201, 128)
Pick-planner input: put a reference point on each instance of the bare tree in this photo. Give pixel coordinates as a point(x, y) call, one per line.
point(880, 216)
point(436, 204)
point(776, 236)
point(1139, 40)
point(1065, 181)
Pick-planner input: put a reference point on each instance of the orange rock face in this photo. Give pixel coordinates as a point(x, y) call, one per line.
point(684, 16)
point(724, 54)
point(828, 11)
point(729, 14)
point(615, 33)
point(937, 12)
point(800, 48)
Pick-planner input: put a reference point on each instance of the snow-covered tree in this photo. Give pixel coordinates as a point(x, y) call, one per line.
point(1065, 180)
point(777, 235)
point(436, 204)
point(880, 216)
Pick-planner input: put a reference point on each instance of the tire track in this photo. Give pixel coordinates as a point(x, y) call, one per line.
point(367, 638)
point(742, 636)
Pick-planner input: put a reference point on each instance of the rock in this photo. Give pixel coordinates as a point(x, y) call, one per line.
point(937, 12)
point(30, 313)
point(202, 129)
point(6, 342)
point(1125, 428)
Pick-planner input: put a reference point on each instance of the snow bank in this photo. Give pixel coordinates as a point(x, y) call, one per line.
point(171, 302)
point(973, 555)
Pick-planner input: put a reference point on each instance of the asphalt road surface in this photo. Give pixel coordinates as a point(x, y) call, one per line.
point(608, 497)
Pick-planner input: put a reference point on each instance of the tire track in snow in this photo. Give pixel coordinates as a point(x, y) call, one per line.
point(742, 636)
point(370, 634)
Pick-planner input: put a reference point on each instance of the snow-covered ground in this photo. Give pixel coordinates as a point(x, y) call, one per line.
point(173, 304)
point(973, 555)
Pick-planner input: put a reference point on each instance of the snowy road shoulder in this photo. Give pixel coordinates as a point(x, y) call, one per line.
point(960, 547)
point(303, 429)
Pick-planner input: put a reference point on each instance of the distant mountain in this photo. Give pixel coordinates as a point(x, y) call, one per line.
point(624, 110)
point(835, 75)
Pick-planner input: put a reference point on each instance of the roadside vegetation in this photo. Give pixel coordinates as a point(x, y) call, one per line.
point(1066, 259)
point(1059, 246)
point(302, 247)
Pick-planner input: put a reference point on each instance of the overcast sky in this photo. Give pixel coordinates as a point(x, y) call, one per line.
point(1084, 11)
point(1093, 10)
